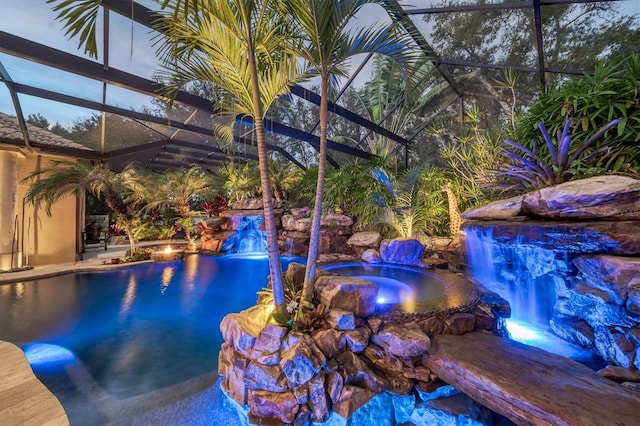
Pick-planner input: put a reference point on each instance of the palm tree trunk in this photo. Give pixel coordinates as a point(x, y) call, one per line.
point(314, 242)
point(132, 239)
point(275, 267)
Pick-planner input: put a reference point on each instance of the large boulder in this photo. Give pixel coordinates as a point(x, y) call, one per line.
point(402, 251)
point(611, 197)
point(403, 340)
point(496, 210)
point(348, 293)
point(335, 220)
point(273, 406)
point(609, 274)
point(369, 239)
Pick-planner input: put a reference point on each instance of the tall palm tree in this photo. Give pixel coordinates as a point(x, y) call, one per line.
point(178, 189)
point(327, 47)
point(241, 46)
point(65, 177)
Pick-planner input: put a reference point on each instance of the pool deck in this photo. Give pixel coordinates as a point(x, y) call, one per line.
point(94, 260)
point(24, 400)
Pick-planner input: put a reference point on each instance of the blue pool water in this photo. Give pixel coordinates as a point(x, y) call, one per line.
point(97, 338)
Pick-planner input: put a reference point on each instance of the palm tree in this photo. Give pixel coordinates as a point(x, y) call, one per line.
point(178, 189)
point(326, 49)
point(66, 177)
point(242, 47)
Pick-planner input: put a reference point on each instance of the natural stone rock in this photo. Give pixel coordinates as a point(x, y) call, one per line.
point(371, 256)
point(402, 251)
point(460, 323)
point(300, 359)
point(303, 416)
point(356, 372)
point(231, 366)
point(620, 375)
point(369, 239)
point(403, 407)
point(248, 204)
point(610, 274)
point(264, 377)
point(288, 222)
point(438, 244)
point(584, 302)
point(573, 330)
point(378, 411)
point(295, 273)
point(633, 302)
point(329, 341)
point(496, 210)
point(333, 220)
point(374, 324)
point(611, 197)
point(318, 399)
point(267, 344)
point(403, 340)
point(301, 212)
point(301, 393)
point(335, 241)
point(357, 339)
point(268, 405)
point(303, 225)
point(240, 331)
point(615, 238)
point(340, 319)
point(351, 294)
point(614, 346)
point(352, 398)
point(432, 325)
point(334, 385)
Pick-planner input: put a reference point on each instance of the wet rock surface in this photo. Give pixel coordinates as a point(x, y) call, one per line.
point(353, 360)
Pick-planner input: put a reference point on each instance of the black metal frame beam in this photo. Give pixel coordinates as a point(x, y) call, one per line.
point(400, 16)
point(18, 46)
point(144, 16)
point(513, 5)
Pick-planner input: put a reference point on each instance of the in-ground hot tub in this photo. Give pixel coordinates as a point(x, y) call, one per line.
point(409, 289)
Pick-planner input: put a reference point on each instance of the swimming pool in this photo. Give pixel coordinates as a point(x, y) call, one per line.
point(130, 339)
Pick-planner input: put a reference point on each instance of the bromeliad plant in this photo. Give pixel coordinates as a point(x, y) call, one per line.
point(530, 169)
point(301, 314)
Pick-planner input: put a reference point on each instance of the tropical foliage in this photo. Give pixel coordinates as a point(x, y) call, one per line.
point(64, 177)
point(529, 169)
point(592, 101)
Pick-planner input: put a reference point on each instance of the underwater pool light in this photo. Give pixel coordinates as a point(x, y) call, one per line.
point(39, 354)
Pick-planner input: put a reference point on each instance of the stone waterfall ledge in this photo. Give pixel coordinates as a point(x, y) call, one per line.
point(529, 385)
point(287, 376)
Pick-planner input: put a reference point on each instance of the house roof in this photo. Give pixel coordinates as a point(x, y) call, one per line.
point(10, 133)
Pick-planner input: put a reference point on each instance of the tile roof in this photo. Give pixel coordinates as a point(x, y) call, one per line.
point(10, 132)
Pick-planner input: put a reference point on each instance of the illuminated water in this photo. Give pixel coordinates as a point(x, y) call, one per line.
point(111, 344)
point(399, 287)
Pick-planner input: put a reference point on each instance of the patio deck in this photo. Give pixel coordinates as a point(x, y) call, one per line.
point(24, 400)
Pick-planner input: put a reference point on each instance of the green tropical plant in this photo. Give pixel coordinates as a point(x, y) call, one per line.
point(65, 177)
point(240, 182)
point(592, 101)
point(404, 205)
point(326, 46)
point(529, 169)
